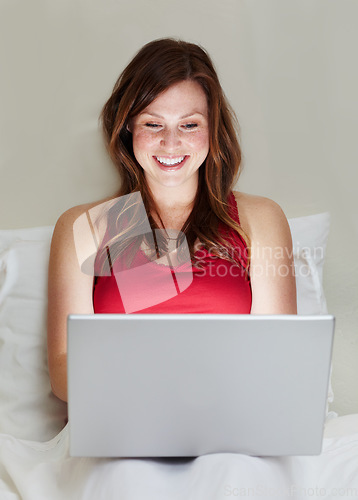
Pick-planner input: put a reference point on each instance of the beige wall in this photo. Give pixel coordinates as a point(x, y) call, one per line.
point(288, 69)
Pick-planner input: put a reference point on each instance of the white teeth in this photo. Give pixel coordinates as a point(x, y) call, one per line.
point(170, 161)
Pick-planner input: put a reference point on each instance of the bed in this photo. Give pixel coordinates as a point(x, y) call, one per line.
point(34, 439)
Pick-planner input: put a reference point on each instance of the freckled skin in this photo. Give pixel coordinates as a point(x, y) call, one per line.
point(171, 133)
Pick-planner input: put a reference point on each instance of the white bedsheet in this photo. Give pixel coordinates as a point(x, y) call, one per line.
point(44, 471)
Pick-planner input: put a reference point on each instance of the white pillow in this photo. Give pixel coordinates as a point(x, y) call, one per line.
point(309, 238)
point(28, 409)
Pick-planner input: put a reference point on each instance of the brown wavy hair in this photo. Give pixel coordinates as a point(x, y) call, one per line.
point(158, 65)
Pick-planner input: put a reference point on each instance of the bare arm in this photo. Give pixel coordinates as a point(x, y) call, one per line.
point(272, 270)
point(69, 291)
point(272, 273)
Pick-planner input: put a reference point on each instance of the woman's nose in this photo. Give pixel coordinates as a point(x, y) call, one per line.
point(170, 139)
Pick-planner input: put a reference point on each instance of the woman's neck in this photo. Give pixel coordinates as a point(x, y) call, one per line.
point(174, 200)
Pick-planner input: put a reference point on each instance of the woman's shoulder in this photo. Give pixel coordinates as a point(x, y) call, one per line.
point(261, 217)
point(78, 210)
point(82, 215)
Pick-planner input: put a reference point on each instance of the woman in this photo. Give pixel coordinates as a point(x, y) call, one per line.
point(170, 131)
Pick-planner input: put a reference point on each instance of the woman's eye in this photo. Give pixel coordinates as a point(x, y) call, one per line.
point(187, 126)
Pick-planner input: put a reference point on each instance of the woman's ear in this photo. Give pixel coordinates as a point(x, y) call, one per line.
point(129, 126)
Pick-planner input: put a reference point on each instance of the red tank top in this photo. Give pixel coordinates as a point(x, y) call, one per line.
point(150, 288)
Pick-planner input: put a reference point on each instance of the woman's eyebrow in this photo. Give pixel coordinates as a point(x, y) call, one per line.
point(181, 118)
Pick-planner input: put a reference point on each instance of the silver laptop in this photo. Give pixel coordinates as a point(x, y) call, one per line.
point(167, 385)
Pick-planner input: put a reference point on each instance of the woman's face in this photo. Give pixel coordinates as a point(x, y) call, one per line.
point(171, 136)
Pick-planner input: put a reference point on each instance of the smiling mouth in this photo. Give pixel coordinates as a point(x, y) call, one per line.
point(170, 162)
